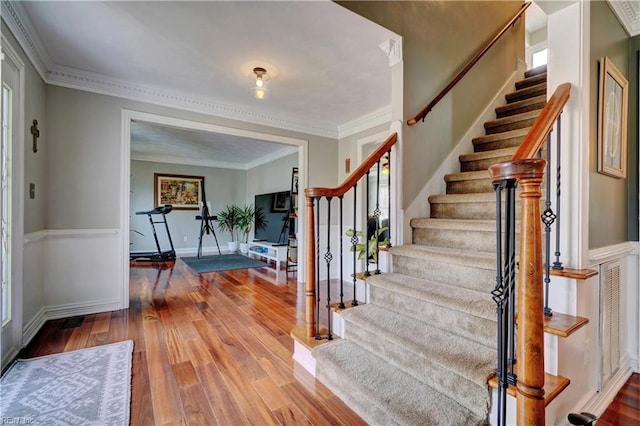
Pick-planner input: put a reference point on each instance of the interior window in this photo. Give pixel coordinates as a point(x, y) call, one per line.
point(539, 58)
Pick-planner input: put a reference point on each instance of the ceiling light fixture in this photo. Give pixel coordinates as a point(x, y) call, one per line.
point(259, 89)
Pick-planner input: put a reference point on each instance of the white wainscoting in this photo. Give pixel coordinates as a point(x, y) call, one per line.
point(70, 272)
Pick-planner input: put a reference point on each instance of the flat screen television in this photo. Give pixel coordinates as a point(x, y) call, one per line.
point(275, 206)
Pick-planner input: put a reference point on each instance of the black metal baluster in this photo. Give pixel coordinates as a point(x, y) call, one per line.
point(510, 239)
point(354, 243)
point(366, 229)
point(389, 197)
point(341, 305)
point(498, 298)
point(557, 264)
point(318, 335)
point(327, 258)
point(548, 217)
point(376, 215)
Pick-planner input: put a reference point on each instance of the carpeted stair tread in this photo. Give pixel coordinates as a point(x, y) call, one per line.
point(470, 360)
point(535, 71)
point(482, 197)
point(532, 80)
point(459, 224)
point(462, 176)
point(499, 140)
point(374, 387)
point(475, 156)
point(464, 234)
point(527, 92)
point(531, 104)
point(516, 121)
point(471, 302)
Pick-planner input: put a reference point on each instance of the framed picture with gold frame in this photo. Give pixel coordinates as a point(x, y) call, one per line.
point(181, 191)
point(612, 120)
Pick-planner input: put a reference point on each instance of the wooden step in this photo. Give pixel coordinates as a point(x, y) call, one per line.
point(519, 107)
point(499, 140)
point(532, 80)
point(553, 386)
point(527, 92)
point(578, 274)
point(563, 325)
point(517, 121)
point(299, 333)
point(478, 161)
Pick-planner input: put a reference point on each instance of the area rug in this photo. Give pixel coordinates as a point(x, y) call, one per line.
point(84, 387)
point(224, 262)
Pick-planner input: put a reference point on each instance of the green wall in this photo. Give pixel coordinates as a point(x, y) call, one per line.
point(439, 37)
point(634, 137)
point(608, 197)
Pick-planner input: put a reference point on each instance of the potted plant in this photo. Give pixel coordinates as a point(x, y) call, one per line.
point(229, 221)
point(250, 217)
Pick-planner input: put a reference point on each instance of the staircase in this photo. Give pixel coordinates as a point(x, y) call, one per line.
point(422, 351)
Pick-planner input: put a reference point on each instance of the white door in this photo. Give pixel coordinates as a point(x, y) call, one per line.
point(10, 233)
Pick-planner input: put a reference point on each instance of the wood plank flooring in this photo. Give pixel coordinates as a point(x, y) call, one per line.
point(625, 408)
point(210, 349)
point(214, 349)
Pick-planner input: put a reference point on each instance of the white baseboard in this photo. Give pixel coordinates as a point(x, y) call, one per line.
point(33, 326)
point(206, 251)
point(84, 308)
point(302, 355)
point(599, 401)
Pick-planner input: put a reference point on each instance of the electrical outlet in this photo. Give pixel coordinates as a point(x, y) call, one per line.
point(185, 239)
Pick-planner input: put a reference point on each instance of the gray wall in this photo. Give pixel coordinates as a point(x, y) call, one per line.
point(608, 196)
point(84, 137)
point(439, 37)
point(222, 186)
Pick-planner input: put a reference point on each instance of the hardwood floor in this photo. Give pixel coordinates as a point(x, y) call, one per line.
point(209, 349)
point(625, 408)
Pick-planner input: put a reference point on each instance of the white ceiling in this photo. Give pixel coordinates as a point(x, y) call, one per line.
point(327, 73)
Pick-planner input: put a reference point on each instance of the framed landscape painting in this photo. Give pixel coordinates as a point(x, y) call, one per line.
point(181, 191)
point(612, 120)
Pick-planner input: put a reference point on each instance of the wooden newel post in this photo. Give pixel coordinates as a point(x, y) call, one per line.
point(310, 268)
point(530, 299)
point(530, 342)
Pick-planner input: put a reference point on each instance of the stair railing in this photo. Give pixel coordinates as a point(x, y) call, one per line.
point(423, 113)
point(521, 355)
point(379, 160)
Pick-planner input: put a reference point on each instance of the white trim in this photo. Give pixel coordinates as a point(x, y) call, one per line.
point(599, 401)
point(82, 308)
point(34, 237)
point(366, 122)
point(628, 13)
point(8, 356)
point(33, 326)
point(613, 252)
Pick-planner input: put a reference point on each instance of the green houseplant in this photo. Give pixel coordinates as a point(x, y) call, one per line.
point(229, 220)
point(250, 216)
point(361, 247)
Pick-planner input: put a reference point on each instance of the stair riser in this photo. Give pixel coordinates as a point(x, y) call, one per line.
point(531, 81)
point(447, 273)
point(421, 368)
point(507, 112)
point(519, 124)
point(480, 146)
point(526, 94)
point(476, 329)
point(469, 186)
point(457, 239)
point(481, 211)
point(483, 164)
point(354, 396)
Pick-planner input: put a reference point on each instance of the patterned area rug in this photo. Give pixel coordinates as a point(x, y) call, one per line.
point(221, 263)
point(85, 387)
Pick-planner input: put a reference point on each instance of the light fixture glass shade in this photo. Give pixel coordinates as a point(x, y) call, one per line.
point(260, 92)
point(259, 89)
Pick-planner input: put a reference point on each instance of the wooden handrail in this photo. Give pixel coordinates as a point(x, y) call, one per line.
point(423, 113)
point(357, 174)
point(544, 123)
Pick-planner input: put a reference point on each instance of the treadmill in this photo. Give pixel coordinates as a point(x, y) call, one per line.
point(159, 255)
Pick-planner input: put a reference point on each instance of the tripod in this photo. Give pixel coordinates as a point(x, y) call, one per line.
point(206, 224)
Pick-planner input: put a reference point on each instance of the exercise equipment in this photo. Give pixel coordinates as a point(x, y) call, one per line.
point(206, 223)
point(159, 255)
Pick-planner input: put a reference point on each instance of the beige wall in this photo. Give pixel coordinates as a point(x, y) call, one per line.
point(439, 37)
point(84, 138)
point(608, 197)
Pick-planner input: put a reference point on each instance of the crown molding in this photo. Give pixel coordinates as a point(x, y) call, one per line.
point(14, 16)
point(366, 122)
point(158, 158)
point(628, 12)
